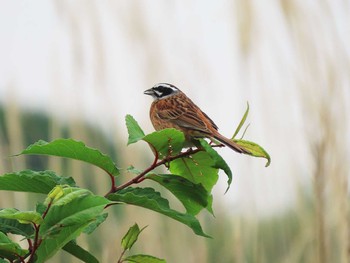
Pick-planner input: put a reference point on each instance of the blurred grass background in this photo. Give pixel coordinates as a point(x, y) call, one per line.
point(75, 68)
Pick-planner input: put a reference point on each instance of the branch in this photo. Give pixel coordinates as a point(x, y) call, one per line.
point(154, 165)
point(120, 260)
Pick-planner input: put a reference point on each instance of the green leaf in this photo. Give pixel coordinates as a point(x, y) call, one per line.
point(198, 168)
point(10, 249)
point(143, 259)
point(14, 227)
point(241, 122)
point(26, 217)
point(134, 130)
point(96, 223)
point(32, 181)
point(75, 208)
point(131, 237)
point(133, 170)
point(61, 195)
point(219, 162)
point(50, 246)
point(166, 142)
point(74, 249)
point(68, 217)
point(193, 196)
point(40, 207)
point(72, 149)
point(255, 150)
point(152, 200)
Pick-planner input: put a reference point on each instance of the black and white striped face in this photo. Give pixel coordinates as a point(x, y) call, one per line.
point(162, 90)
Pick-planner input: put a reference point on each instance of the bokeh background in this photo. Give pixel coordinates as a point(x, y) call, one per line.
point(76, 68)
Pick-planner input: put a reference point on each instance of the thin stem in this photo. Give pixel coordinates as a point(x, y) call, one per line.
point(120, 260)
point(37, 241)
point(154, 165)
point(156, 154)
point(30, 244)
point(21, 259)
point(113, 187)
point(136, 179)
point(47, 210)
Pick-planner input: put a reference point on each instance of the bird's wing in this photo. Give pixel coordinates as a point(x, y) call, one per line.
point(189, 118)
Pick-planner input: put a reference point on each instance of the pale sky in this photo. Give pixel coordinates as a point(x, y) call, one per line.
point(94, 59)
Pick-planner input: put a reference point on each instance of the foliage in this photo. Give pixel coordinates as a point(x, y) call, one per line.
point(127, 243)
point(252, 147)
point(68, 210)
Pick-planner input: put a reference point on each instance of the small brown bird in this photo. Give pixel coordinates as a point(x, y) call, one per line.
point(171, 108)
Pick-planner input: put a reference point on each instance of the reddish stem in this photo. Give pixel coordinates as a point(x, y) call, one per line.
point(154, 165)
point(30, 244)
point(36, 242)
point(113, 187)
point(33, 246)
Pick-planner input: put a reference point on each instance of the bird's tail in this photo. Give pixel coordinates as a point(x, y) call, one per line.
point(231, 144)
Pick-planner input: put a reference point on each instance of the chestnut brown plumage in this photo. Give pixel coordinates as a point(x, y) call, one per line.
point(171, 108)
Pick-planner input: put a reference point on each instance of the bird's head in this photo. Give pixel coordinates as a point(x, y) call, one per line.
point(162, 90)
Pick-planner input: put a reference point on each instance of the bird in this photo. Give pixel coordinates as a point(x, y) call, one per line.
point(171, 108)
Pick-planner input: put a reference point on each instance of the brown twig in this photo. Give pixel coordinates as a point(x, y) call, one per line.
point(33, 246)
point(154, 165)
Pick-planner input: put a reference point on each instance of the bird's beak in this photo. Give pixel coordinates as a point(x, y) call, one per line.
point(149, 92)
